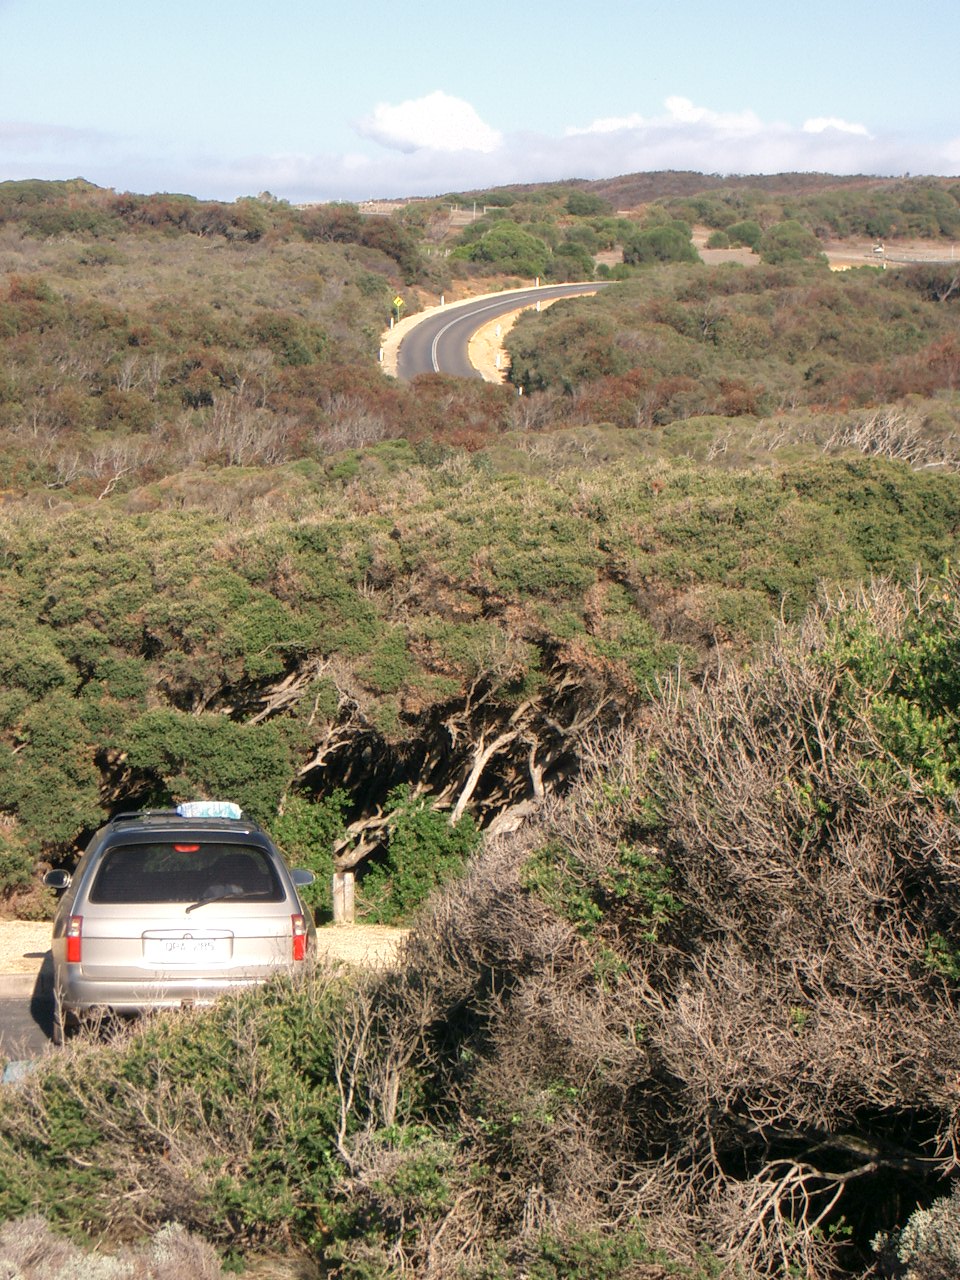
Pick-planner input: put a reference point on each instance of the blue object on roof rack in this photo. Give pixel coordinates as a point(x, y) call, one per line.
point(209, 809)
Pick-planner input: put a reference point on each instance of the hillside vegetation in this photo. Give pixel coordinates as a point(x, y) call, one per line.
point(647, 675)
point(754, 341)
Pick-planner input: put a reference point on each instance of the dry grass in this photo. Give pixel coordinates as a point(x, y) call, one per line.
point(29, 1250)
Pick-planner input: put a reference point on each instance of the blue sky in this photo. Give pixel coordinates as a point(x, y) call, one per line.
point(357, 100)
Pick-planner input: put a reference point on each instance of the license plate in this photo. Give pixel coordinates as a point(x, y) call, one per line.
point(185, 950)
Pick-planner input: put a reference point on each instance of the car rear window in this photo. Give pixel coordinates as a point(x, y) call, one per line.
point(185, 871)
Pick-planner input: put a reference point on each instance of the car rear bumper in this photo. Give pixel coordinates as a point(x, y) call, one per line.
point(79, 995)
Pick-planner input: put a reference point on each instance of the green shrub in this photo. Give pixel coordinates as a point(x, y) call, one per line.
point(225, 1120)
point(570, 262)
point(508, 248)
point(928, 1246)
point(632, 886)
point(387, 667)
point(16, 865)
point(414, 1178)
point(670, 243)
point(210, 755)
point(292, 340)
point(789, 241)
point(424, 850)
point(748, 234)
point(906, 683)
point(600, 1255)
point(30, 661)
point(585, 204)
point(306, 831)
point(614, 1254)
point(52, 782)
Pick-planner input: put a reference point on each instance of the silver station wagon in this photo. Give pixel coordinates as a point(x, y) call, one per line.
point(170, 908)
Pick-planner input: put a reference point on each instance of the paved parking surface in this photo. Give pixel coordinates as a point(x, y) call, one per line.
point(26, 1013)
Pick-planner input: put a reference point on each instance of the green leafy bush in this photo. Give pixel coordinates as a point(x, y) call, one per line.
point(906, 684)
point(585, 204)
point(618, 1254)
point(670, 243)
point(424, 850)
point(225, 1120)
point(292, 340)
point(747, 233)
point(631, 890)
point(52, 781)
point(508, 248)
point(16, 865)
point(211, 755)
point(306, 831)
point(789, 241)
point(570, 261)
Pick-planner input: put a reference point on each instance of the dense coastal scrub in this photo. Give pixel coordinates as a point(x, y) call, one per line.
point(696, 1018)
point(360, 638)
point(635, 695)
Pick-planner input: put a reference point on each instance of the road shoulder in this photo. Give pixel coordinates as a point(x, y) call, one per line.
point(485, 349)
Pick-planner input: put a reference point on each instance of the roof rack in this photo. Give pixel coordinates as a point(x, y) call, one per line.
point(224, 809)
point(144, 813)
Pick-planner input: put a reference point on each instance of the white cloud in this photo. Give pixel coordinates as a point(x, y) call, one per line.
point(688, 136)
point(701, 146)
point(437, 144)
point(680, 112)
point(437, 122)
point(607, 124)
point(820, 124)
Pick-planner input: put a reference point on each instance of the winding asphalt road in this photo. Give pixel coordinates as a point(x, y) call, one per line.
point(438, 344)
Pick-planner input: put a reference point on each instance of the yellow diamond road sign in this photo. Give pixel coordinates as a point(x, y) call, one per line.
point(398, 302)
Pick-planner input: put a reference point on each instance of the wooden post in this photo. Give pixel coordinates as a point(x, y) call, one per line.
point(344, 911)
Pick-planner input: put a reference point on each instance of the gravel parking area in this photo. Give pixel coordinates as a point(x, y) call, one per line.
point(23, 945)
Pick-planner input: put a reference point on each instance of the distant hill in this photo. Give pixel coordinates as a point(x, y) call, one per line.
point(630, 189)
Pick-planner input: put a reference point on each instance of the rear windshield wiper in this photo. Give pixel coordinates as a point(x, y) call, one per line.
point(232, 895)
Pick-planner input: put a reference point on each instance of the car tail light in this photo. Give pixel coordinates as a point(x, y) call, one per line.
point(73, 935)
point(300, 938)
